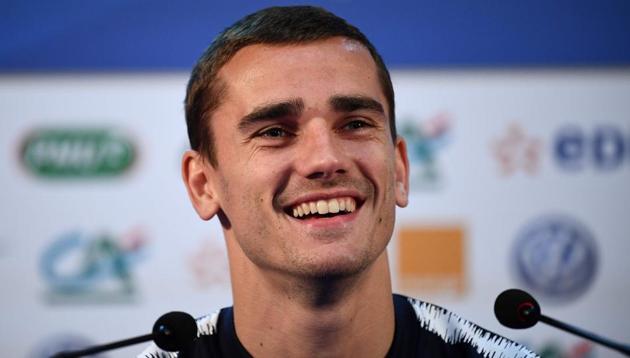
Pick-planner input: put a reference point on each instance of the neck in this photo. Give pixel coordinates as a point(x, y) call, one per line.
point(305, 317)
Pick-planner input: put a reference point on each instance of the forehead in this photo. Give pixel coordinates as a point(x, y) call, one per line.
point(339, 49)
point(264, 72)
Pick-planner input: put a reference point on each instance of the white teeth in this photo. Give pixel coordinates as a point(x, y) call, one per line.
point(323, 207)
point(350, 205)
point(333, 206)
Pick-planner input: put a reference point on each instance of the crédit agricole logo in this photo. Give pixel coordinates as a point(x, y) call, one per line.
point(77, 152)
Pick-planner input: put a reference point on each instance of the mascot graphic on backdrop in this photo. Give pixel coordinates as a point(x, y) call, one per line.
point(424, 139)
point(91, 268)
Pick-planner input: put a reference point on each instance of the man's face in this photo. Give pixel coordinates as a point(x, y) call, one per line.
point(302, 130)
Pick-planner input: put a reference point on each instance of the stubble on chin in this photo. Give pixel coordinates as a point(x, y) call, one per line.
point(330, 266)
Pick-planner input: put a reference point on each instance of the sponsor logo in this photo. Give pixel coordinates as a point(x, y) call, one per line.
point(605, 148)
point(425, 139)
point(82, 268)
point(573, 148)
point(516, 151)
point(61, 342)
point(209, 265)
point(431, 259)
point(77, 153)
point(555, 257)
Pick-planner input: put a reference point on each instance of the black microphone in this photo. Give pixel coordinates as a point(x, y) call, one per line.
point(172, 332)
point(516, 308)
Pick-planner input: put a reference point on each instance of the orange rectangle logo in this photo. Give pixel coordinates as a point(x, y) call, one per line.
point(432, 259)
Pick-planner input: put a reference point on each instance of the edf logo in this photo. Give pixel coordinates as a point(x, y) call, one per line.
point(603, 148)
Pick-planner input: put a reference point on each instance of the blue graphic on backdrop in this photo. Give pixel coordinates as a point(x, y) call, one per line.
point(91, 268)
point(605, 148)
point(424, 139)
point(555, 257)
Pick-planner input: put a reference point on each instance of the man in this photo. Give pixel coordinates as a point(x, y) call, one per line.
point(290, 116)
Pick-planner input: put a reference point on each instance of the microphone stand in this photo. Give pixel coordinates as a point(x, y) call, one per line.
point(104, 347)
point(172, 332)
point(516, 308)
point(625, 349)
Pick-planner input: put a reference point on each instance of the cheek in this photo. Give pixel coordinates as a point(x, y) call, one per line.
point(248, 189)
point(378, 165)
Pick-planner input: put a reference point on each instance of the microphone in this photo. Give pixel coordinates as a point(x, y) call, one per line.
point(172, 332)
point(516, 308)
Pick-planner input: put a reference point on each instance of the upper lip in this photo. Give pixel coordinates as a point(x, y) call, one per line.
point(340, 193)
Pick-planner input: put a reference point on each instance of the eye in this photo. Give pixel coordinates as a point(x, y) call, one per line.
point(274, 132)
point(356, 124)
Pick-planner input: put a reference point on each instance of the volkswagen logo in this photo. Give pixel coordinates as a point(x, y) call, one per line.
point(556, 257)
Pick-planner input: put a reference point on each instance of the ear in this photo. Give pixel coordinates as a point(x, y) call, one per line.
point(402, 173)
point(199, 178)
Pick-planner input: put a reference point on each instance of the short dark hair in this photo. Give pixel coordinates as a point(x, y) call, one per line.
point(273, 25)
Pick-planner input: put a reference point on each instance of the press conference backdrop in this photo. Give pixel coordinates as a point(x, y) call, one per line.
point(517, 121)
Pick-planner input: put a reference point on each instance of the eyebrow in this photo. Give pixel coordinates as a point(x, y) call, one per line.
point(289, 108)
point(355, 103)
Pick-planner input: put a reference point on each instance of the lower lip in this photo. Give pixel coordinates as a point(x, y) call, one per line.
point(331, 222)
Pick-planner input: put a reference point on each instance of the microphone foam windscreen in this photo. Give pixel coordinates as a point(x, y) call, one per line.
point(516, 308)
point(174, 331)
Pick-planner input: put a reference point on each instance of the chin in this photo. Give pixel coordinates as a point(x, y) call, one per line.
point(334, 265)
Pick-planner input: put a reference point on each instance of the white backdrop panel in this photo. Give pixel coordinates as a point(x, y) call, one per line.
point(181, 264)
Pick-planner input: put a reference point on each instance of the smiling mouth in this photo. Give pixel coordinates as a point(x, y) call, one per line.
point(323, 208)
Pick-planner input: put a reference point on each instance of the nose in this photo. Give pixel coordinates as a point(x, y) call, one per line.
point(320, 152)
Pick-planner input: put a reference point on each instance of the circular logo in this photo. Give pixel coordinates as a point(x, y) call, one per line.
point(556, 257)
